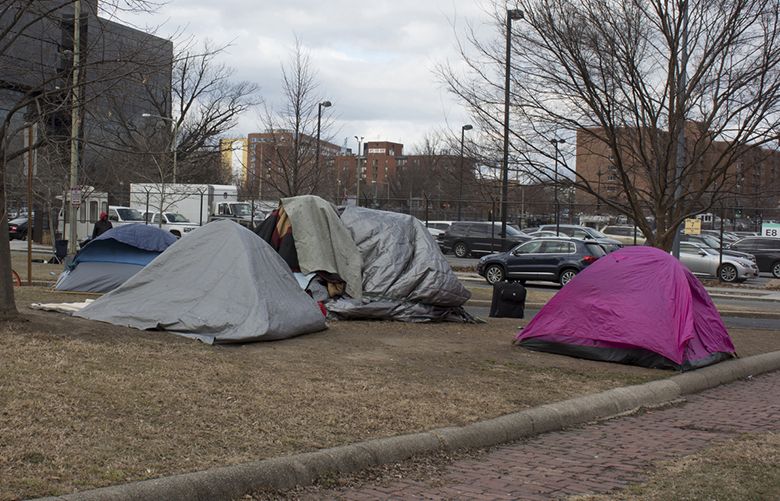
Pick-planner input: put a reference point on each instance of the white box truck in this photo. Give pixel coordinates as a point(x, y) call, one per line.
point(200, 203)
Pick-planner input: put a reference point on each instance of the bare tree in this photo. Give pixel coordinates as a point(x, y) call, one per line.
point(36, 89)
point(292, 130)
point(176, 136)
point(673, 95)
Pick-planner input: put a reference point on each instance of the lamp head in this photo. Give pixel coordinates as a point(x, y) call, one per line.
point(325, 104)
point(467, 127)
point(514, 14)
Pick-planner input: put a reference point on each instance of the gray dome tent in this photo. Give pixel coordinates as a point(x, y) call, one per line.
point(220, 284)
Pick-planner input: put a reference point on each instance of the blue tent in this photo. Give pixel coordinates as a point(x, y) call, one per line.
point(109, 260)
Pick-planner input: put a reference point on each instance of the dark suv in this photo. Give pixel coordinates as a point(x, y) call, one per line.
point(585, 233)
point(464, 238)
point(766, 250)
point(549, 259)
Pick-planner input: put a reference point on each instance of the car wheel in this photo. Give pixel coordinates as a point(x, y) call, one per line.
point(460, 250)
point(728, 273)
point(566, 276)
point(494, 273)
point(776, 269)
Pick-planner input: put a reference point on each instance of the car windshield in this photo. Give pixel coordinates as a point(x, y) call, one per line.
point(176, 218)
point(242, 210)
point(511, 231)
point(595, 233)
point(710, 241)
point(130, 215)
point(18, 220)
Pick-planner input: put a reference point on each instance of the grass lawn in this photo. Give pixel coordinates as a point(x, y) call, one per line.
point(85, 404)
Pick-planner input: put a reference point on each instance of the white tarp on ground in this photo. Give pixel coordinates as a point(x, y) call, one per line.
point(405, 275)
point(221, 284)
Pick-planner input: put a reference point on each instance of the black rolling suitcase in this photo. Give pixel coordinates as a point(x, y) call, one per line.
point(508, 300)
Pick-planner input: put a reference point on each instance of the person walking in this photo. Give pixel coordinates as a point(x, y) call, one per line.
point(102, 226)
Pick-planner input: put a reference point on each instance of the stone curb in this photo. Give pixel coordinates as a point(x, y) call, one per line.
point(285, 472)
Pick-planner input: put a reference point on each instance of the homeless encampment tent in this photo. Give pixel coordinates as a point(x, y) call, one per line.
point(405, 275)
point(109, 260)
point(219, 284)
point(392, 267)
point(637, 305)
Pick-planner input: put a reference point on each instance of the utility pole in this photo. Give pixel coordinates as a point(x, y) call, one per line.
point(75, 125)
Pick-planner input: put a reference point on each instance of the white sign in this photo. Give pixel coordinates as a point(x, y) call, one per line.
point(75, 197)
point(770, 230)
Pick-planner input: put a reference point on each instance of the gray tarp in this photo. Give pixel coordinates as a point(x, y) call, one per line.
point(405, 275)
point(322, 242)
point(220, 284)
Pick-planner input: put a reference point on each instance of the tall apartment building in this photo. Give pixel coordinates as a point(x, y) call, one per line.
point(123, 71)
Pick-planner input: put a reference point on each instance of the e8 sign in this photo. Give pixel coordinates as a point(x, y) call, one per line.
point(770, 230)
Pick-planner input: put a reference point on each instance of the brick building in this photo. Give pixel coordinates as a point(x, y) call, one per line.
point(752, 181)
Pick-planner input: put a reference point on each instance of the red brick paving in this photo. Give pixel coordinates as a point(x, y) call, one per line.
point(595, 458)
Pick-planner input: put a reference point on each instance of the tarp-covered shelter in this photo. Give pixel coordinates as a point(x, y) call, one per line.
point(220, 284)
point(392, 267)
point(112, 258)
point(405, 275)
point(637, 305)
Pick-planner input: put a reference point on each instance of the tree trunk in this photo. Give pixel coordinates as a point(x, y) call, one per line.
point(7, 303)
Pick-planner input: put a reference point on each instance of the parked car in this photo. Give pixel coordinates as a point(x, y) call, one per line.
point(436, 228)
point(172, 222)
point(464, 238)
point(625, 234)
point(547, 259)
point(728, 236)
point(702, 260)
point(17, 228)
point(585, 233)
point(765, 249)
point(714, 244)
point(119, 215)
point(540, 234)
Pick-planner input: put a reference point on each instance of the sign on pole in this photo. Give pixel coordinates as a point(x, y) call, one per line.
point(770, 230)
point(692, 226)
point(75, 197)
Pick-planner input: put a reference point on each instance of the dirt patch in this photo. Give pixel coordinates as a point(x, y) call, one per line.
point(85, 404)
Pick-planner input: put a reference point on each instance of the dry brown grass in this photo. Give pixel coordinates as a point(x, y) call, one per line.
point(85, 404)
point(743, 469)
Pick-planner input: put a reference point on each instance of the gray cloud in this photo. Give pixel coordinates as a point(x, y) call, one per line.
point(374, 60)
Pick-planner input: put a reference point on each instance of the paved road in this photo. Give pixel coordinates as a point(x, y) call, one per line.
point(730, 321)
point(595, 458)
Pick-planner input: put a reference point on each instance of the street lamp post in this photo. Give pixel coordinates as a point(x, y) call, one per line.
point(324, 104)
point(555, 143)
point(511, 14)
point(359, 174)
point(174, 149)
point(460, 180)
point(598, 191)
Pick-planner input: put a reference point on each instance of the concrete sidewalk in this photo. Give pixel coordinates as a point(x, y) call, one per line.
point(596, 458)
point(233, 482)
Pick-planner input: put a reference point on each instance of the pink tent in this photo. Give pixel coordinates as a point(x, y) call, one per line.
point(637, 305)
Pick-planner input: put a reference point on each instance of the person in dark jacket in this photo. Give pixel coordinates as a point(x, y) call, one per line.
point(102, 226)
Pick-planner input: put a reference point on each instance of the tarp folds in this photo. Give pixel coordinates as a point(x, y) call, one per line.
point(405, 275)
point(109, 260)
point(637, 305)
point(220, 284)
point(322, 242)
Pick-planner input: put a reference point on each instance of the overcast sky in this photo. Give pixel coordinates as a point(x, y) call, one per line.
point(375, 60)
